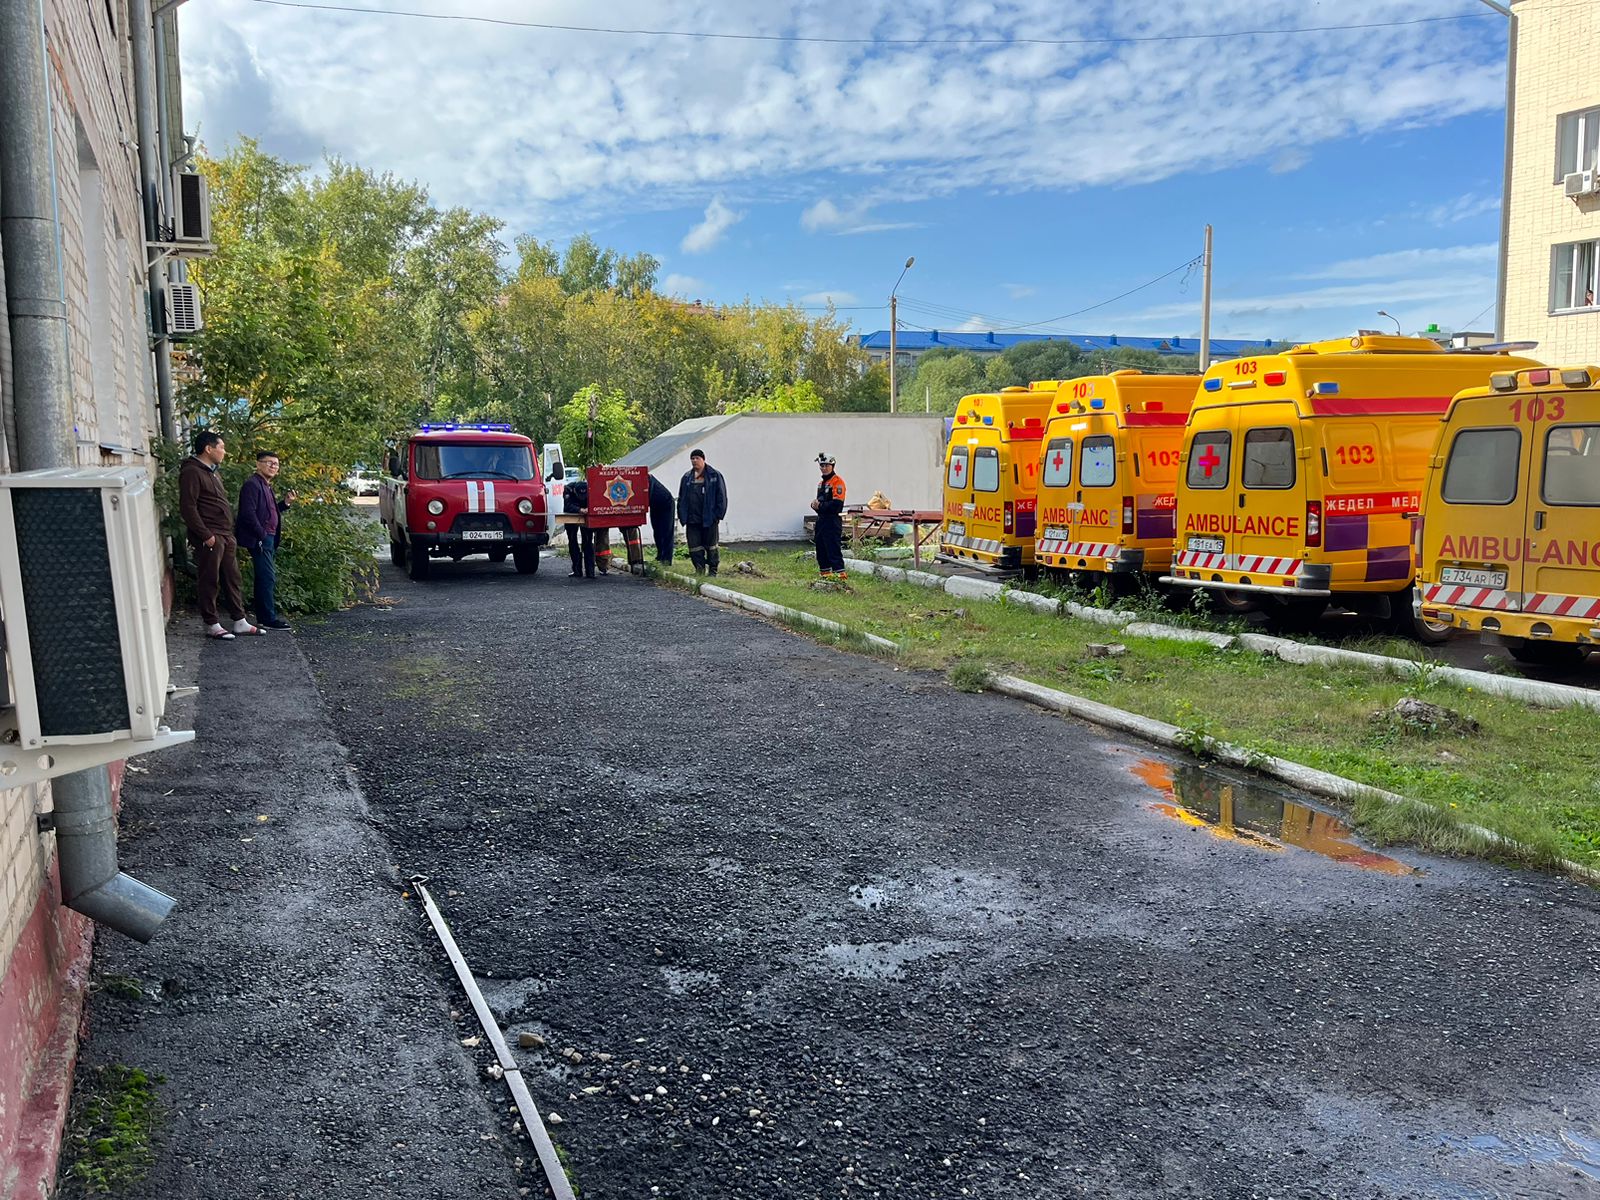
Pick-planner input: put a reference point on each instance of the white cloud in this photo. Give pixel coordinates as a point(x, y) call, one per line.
point(536, 125)
point(974, 324)
point(1409, 261)
point(1019, 291)
point(837, 298)
point(686, 286)
point(1463, 208)
point(1291, 159)
point(827, 217)
point(718, 220)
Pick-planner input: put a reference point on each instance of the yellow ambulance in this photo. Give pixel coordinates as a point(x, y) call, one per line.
point(991, 477)
point(1300, 471)
point(1509, 540)
point(1108, 478)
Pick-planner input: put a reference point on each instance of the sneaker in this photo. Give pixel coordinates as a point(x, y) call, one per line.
point(219, 633)
point(278, 624)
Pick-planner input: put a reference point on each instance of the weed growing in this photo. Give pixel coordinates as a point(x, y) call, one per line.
point(108, 1144)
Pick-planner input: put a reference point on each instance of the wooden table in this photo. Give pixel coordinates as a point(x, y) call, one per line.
point(925, 525)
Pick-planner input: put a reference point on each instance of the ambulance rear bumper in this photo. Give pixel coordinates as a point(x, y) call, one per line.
point(1310, 584)
point(1514, 626)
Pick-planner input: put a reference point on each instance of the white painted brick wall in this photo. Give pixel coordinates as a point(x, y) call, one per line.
point(91, 81)
point(1556, 74)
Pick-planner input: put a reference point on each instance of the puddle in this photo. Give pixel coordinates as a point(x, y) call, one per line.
point(681, 982)
point(1568, 1150)
point(1256, 816)
point(508, 997)
point(883, 960)
point(865, 895)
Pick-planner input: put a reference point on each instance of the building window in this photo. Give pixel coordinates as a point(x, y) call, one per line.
point(1573, 275)
point(1577, 141)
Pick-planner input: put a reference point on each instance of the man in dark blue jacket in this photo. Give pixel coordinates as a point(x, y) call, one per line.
point(702, 503)
point(257, 528)
point(661, 522)
point(580, 538)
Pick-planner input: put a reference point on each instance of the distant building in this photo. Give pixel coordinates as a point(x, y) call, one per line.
point(912, 344)
point(1550, 246)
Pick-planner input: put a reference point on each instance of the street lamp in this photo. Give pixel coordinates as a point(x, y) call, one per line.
point(1395, 319)
point(894, 331)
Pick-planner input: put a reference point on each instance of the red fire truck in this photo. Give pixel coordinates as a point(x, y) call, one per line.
point(454, 490)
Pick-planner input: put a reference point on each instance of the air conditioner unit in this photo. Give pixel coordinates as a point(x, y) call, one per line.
point(183, 310)
point(84, 631)
point(1579, 183)
point(191, 200)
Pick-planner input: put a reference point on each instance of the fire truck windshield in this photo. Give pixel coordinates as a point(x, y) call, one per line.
point(447, 460)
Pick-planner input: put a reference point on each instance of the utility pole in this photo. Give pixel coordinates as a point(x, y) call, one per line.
point(894, 333)
point(1205, 305)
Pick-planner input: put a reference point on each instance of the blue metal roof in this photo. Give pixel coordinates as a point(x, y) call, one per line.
point(916, 340)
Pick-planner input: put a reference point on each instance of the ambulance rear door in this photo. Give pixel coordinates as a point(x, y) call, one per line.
point(1207, 507)
point(1055, 489)
point(958, 485)
point(1154, 448)
point(1472, 538)
point(1096, 511)
point(1562, 577)
point(1270, 500)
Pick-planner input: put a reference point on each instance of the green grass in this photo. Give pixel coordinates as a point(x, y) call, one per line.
point(1528, 773)
point(108, 1141)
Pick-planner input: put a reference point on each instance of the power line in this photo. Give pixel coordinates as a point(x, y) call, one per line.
point(1468, 323)
point(1183, 266)
point(858, 41)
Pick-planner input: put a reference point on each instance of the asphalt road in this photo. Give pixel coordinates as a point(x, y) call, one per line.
point(811, 926)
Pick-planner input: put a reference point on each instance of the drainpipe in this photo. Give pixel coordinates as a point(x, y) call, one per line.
point(30, 236)
point(140, 34)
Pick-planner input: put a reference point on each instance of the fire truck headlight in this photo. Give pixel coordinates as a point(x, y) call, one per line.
point(436, 507)
point(524, 506)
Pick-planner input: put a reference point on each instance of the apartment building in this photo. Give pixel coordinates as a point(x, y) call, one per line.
point(1550, 271)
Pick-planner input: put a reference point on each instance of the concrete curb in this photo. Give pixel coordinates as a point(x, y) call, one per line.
point(1298, 775)
point(1531, 691)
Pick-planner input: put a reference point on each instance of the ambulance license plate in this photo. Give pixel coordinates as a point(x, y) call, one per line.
point(1204, 545)
point(1470, 578)
point(481, 535)
point(1056, 533)
point(956, 529)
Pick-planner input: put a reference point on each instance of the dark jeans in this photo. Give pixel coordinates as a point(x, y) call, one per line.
point(703, 552)
point(265, 560)
point(830, 544)
point(217, 566)
point(664, 528)
point(580, 545)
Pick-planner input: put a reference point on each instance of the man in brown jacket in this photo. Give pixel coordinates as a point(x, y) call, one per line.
point(208, 517)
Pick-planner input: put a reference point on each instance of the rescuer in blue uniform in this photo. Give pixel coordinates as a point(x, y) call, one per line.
point(829, 507)
point(662, 522)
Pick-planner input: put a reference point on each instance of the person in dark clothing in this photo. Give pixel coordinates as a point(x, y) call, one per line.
point(258, 530)
point(702, 503)
point(580, 538)
point(208, 519)
point(661, 522)
point(829, 507)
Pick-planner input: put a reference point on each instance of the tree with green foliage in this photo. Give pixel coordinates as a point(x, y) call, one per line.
point(597, 427)
point(941, 377)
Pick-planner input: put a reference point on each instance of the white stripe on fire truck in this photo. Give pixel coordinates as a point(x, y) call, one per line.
point(488, 496)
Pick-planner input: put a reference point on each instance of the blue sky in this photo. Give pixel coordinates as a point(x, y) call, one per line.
point(1344, 170)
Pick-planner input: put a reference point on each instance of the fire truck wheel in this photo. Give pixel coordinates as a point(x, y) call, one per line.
point(397, 551)
point(417, 564)
point(498, 556)
point(527, 560)
point(1548, 654)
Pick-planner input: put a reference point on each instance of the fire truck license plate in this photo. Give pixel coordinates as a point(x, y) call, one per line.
point(1206, 545)
point(957, 529)
point(1471, 578)
point(481, 535)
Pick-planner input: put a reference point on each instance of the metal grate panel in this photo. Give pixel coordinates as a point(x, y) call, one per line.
point(71, 611)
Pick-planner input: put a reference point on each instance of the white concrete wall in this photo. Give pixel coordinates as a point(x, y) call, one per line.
point(769, 460)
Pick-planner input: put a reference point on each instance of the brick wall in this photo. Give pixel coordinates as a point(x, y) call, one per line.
point(1555, 75)
point(43, 947)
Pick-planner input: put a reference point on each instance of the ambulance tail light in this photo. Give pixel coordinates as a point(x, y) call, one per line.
point(1011, 516)
point(1313, 522)
point(1127, 515)
point(1539, 378)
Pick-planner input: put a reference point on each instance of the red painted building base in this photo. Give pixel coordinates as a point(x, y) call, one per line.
point(41, 1014)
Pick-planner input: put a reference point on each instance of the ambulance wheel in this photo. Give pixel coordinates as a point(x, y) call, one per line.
point(1548, 654)
point(1058, 576)
point(498, 556)
point(397, 551)
point(1405, 621)
point(1233, 604)
point(417, 564)
point(527, 560)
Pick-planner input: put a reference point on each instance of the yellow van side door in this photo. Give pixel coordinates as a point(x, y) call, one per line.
point(1472, 537)
point(1562, 572)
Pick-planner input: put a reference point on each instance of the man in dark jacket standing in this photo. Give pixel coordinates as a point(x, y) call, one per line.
point(829, 507)
point(257, 528)
point(661, 523)
point(203, 503)
point(702, 503)
point(580, 538)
